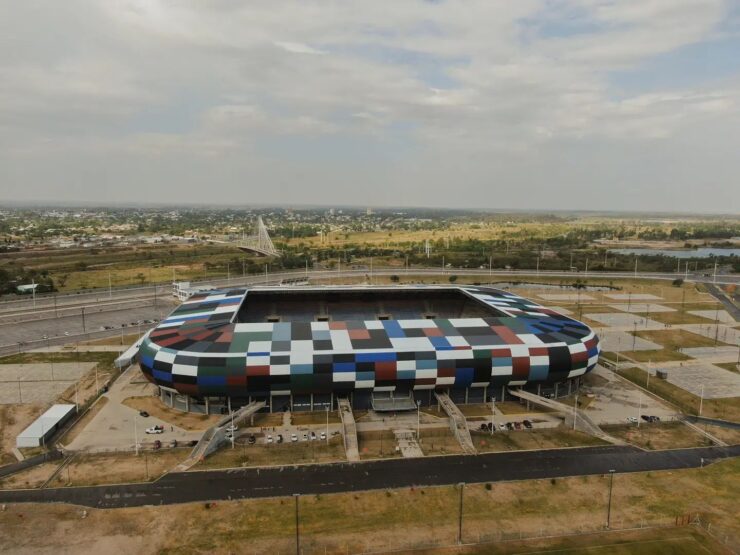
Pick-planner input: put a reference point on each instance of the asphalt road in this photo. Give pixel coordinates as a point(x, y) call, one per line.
point(730, 306)
point(343, 477)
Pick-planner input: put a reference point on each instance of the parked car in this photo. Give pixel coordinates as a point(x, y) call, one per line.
point(323, 436)
point(654, 419)
point(484, 427)
point(252, 440)
point(527, 424)
point(502, 426)
point(509, 426)
point(144, 413)
point(632, 419)
point(313, 436)
point(157, 444)
point(293, 438)
point(269, 439)
point(305, 437)
point(645, 417)
point(518, 425)
point(192, 443)
point(280, 438)
point(232, 428)
point(173, 443)
point(155, 430)
point(229, 436)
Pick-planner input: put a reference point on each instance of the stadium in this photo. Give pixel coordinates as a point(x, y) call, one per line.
point(387, 348)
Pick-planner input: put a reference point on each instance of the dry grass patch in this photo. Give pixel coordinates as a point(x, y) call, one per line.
point(315, 417)
point(662, 355)
point(678, 317)
point(93, 469)
point(729, 435)
point(276, 454)
point(673, 339)
point(352, 522)
point(13, 420)
point(33, 477)
point(185, 420)
point(549, 438)
point(663, 435)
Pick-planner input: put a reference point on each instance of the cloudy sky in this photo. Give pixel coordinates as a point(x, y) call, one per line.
point(544, 104)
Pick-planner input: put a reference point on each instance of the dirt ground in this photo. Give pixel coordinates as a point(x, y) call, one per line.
point(32, 478)
point(310, 418)
point(550, 438)
point(729, 436)
point(383, 520)
point(244, 455)
point(663, 435)
point(185, 420)
point(13, 420)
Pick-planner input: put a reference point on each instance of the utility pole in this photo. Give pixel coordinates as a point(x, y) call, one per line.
point(327, 425)
point(110, 286)
point(83, 319)
point(635, 265)
point(714, 278)
point(297, 529)
point(701, 399)
point(136, 435)
point(493, 414)
point(609, 505)
point(575, 412)
point(460, 514)
point(418, 420)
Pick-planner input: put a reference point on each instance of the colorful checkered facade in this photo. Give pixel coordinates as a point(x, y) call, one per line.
point(199, 351)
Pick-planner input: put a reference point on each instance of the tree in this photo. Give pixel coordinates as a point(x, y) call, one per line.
point(453, 278)
point(394, 278)
point(678, 282)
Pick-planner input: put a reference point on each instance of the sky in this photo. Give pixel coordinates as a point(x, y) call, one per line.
point(489, 104)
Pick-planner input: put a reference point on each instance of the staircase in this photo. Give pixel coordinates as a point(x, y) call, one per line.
point(458, 423)
point(215, 436)
point(349, 430)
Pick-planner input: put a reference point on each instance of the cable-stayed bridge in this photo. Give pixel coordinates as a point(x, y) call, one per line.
point(258, 243)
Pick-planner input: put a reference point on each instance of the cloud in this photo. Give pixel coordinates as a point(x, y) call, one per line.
point(399, 98)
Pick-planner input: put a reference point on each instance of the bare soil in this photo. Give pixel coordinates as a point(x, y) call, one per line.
point(662, 435)
point(13, 420)
point(185, 420)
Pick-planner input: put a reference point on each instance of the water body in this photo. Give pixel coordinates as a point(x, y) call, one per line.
point(704, 252)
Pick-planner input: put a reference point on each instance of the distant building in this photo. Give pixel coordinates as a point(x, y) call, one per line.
point(183, 290)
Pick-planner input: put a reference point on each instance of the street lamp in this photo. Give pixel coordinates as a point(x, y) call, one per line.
point(297, 529)
point(609, 505)
point(418, 420)
point(493, 413)
point(460, 513)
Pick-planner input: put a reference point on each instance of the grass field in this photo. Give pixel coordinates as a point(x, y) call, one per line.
point(404, 518)
point(725, 409)
point(548, 438)
point(674, 339)
point(301, 452)
point(663, 435)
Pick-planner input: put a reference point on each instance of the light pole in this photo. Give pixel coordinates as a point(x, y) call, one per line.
point(609, 505)
point(639, 409)
point(575, 411)
point(493, 414)
point(460, 514)
point(232, 428)
point(701, 399)
point(136, 436)
point(327, 424)
point(297, 528)
point(418, 420)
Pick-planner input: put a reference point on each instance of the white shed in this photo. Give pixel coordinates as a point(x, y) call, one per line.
point(44, 426)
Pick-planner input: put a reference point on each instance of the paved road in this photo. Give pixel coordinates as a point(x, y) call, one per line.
point(729, 305)
point(341, 477)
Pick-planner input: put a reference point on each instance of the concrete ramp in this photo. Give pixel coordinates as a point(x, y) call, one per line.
point(458, 423)
point(349, 429)
point(215, 436)
point(583, 422)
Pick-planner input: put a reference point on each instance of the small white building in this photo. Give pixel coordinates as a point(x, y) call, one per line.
point(29, 288)
point(183, 290)
point(44, 426)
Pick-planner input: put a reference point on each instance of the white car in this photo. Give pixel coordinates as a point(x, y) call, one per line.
point(269, 439)
point(323, 436)
point(632, 420)
point(293, 438)
point(154, 430)
point(229, 435)
point(232, 429)
point(502, 426)
point(313, 436)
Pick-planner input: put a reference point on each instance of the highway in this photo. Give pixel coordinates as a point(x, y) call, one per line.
point(240, 483)
point(27, 320)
